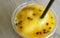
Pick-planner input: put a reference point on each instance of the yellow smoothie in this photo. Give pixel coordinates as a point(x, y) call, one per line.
point(28, 22)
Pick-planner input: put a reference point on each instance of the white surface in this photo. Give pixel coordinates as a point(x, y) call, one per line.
point(6, 9)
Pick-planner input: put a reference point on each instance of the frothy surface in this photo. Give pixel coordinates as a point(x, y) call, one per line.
point(28, 22)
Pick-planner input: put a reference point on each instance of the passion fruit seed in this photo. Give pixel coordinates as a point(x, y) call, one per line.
point(39, 10)
point(16, 24)
point(40, 32)
point(49, 27)
point(20, 22)
point(34, 14)
point(44, 32)
point(44, 29)
point(51, 17)
point(47, 23)
point(47, 31)
point(37, 33)
point(20, 27)
point(29, 18)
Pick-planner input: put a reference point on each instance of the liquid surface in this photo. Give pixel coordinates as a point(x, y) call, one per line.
point(28, 22)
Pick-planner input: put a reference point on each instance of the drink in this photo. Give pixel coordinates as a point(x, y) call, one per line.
point(29, 24)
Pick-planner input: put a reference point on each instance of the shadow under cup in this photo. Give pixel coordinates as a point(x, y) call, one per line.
point(20, 7)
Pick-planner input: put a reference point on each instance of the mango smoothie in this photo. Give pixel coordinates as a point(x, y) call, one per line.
point(28, 22)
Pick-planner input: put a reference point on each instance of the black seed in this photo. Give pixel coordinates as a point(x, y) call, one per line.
point(34, 14)
point(21, 27)
point(40, 32)
point(49, 27)
point(29, 18)
point(47, 23)
point(47, 31)
point(44, 30)
point(39, 10)
point(51, 17)
point(37, 33)
point(16, 24)
point(20, 22)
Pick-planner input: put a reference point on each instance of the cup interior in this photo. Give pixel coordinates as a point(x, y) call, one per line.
point(20, 7)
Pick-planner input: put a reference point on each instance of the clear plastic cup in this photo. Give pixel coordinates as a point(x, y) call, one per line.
point(40, 2)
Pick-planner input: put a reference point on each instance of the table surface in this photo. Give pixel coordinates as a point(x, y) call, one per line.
point(6, 9)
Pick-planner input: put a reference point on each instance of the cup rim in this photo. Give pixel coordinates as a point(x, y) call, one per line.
point(22, 5)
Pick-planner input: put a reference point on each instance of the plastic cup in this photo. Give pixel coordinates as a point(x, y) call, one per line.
point(41, 2)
